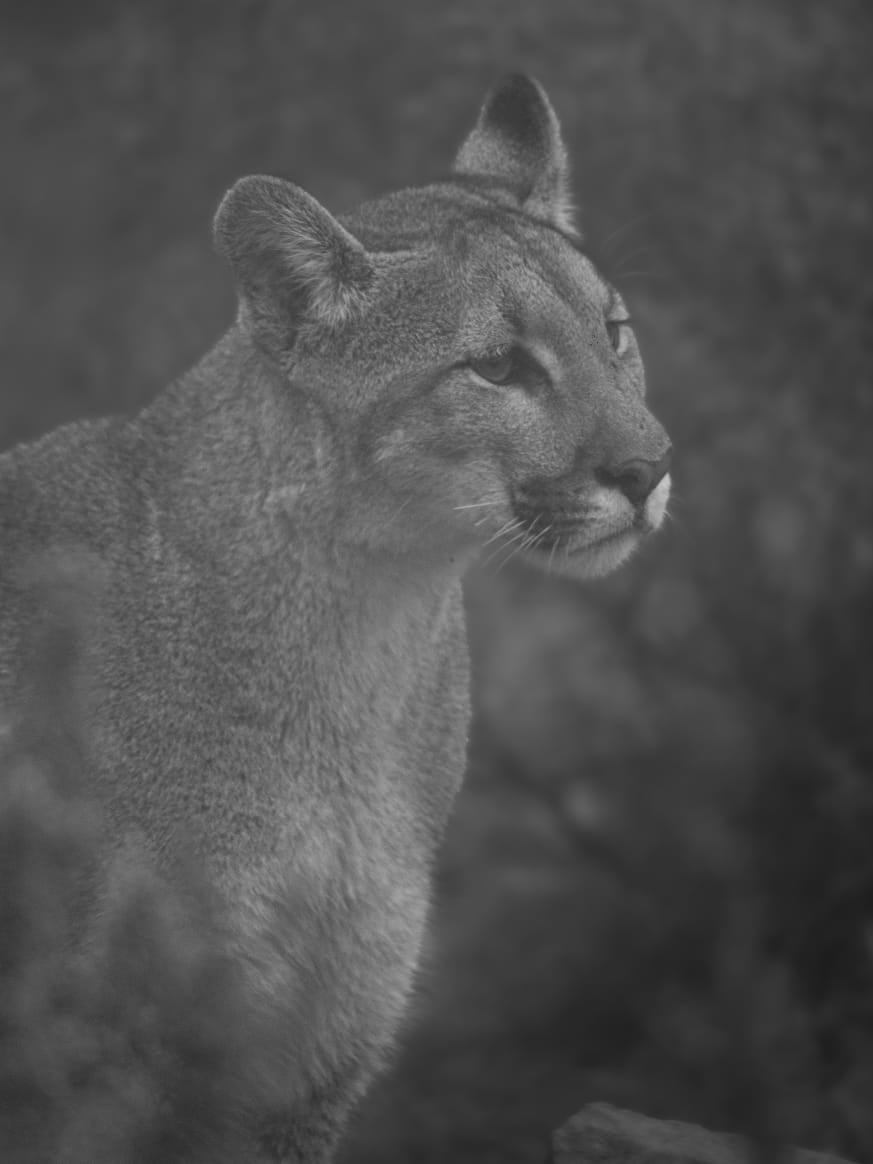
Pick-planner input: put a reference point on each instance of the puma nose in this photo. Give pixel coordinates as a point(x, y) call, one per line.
point(636, 479)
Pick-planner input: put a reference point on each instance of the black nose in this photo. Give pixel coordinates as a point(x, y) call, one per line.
point(636, 479)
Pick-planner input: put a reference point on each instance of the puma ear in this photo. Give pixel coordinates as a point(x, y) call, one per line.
point(293, 261)
point(517, 140)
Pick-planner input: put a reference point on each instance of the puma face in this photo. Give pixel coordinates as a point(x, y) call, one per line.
point(581, 475)
point(483, 376)
point(519, 425)
point(606, 485)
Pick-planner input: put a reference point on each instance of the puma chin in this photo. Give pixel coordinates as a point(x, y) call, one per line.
point(517, 424)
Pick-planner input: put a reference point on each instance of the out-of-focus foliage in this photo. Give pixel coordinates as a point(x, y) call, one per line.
point(658, 884)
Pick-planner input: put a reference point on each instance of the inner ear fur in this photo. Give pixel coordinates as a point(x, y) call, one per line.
point(517, 142)
point(291, 258)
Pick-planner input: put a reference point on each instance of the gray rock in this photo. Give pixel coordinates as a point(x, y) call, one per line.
point(600, 1134)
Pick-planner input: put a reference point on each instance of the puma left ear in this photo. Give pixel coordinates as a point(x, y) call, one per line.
point(293, 261)
point(517, 141)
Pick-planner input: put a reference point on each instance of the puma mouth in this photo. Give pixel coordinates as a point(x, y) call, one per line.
point(566, 531)
point(570, 533)
point(564, 549)
point(571, 540)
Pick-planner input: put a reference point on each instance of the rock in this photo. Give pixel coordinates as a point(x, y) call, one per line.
point(600, 1134)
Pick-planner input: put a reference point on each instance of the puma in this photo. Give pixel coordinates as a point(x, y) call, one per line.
point(279, 656)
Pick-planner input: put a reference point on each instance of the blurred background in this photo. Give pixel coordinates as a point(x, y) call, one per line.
point(658, 884)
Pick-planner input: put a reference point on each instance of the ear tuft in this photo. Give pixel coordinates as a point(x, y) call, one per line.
point(517, 141)
point(292, 259)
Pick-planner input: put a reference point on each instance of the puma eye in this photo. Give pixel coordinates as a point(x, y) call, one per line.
point(496, 368)
point(619, 334)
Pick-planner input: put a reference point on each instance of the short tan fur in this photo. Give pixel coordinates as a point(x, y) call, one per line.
point(280, 660)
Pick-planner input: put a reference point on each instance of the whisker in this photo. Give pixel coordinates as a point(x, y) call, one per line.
point(505, 545)
point(505, 528)
point(477, 505)
point(531, 540)
point(541, 536)
point(519, 549)
point(551, 557)
point(521, 533)
point(677, 519)
point(537, 539)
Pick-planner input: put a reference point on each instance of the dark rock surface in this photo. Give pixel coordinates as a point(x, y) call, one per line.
point(601, 1134)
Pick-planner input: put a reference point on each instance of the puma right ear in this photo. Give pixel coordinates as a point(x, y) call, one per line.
point(517, 141)
point(293, 261)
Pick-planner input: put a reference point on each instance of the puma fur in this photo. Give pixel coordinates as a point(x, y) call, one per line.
point(279, 660)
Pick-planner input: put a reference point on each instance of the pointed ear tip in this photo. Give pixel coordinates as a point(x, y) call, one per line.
point(263, 193)
point(252, 198)
point(221, 224)
point(518, 79)
point(519, 107)
point(241, 195)
point(253, 188)
point(519, 85)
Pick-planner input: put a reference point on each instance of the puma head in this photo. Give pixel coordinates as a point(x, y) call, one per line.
point(482, 377)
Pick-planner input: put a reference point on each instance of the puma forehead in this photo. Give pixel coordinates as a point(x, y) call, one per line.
point(488, 372)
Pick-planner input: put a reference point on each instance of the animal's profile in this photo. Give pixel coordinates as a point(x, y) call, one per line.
point(279, 655)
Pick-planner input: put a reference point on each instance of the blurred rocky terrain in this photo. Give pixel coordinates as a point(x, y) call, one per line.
point(658, 886)
point(600, 1134)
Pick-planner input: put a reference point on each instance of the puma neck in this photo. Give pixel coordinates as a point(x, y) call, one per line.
point(255, 486)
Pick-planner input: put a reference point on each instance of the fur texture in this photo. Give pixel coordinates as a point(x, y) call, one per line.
point(279, 657)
